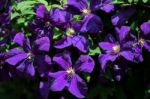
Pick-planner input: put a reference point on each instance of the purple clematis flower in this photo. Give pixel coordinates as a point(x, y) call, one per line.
point(42, 25)
point(91, 22)
point(121, 17)
point(73, 37)
point(68, 76)
point(142, 41)
point(26, 59)
point(114, 49)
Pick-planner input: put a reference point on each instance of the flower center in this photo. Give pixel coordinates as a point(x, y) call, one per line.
point(47, 24)
point(141, 42)
point(1, 64)
point(70, 71)
point(70, 31)
point(116, 48)
point(5, 32)
point(86, 11)
point(30, 56)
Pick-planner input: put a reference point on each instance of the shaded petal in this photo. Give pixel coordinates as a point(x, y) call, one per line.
point(81, 43)
point(122, 32)
point(26, 67)
point(59, 82)
point(19, 38)
point(145, 27)
point(16, 58)
point(127, 55)
point(42, 44)
point(44, 63)
point(121, 17)
point(107, 46)
point(65, 42)
point(137, 51)
point(77, 87)
point(63, 59)
point(147, 45)
point(104, 5)
point(105, 58)
point(14, 51)
point(85, 64)
point(41, 11)
point(60, 17)
point(44, 89)
point(79, 4)
point(92, 24)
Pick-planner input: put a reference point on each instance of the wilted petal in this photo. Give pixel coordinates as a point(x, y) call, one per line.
point(16, 58)
point(79, 4)
point(65, 42)
point(81, 43)
point(42, 44)
point(63, 59)
point(19, 38)
point(122, 32)
point(121, 17)
point(77, 87)
point(84, 64)
point(127, 55)
point(105, 58)
point(59, 82)
point(92, 24)
point(41, 11)
point(145, 27)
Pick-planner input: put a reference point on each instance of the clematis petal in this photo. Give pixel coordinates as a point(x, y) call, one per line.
point(42, 44)
point(41, 11)
point(145, 27)
point(30, 69)
point(60, 17)
point(147, 45)
point(127, 55)
point(65, 42)
point(19, 39)
point(59, 82)
point(121, 17)
point(104, 5)
point(105, 58)
point(44, 89)
point(122, 32)
point(14, 60)
point(77, 87)
point(44, 64)
point(78, 4)
point(92, 24)
point(63, 60)
point(84, 64)
point(81, 43)
point(107, 46)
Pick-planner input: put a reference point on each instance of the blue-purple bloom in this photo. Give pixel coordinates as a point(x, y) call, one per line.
point(91, 22)
point(26, 58)
point(114, 49)
point(68, 76)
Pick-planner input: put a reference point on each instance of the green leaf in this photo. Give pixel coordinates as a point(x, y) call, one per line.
point(94, 51)
point(145, 1)
point(20, 20)
point(14, 15)
point(25, 5)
